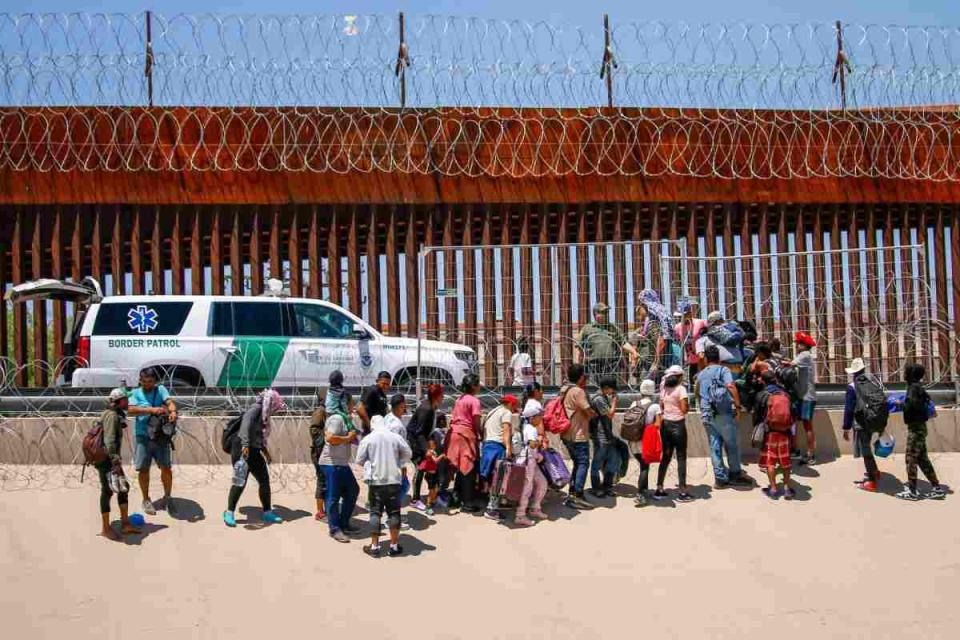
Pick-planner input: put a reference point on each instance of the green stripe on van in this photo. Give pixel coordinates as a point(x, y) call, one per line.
point(255, 363)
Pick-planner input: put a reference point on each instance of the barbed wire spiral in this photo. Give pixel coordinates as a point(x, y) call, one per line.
point(322, 93)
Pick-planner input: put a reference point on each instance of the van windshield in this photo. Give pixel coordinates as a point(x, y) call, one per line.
point(319, 321)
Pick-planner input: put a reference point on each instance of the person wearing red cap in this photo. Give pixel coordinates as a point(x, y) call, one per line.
point(497, 445)
point(807, 369)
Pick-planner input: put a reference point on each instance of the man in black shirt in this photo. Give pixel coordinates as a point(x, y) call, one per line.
point(373, 400)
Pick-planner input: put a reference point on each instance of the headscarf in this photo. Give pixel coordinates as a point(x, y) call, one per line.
point(656, 312)
point(334, 401)
point(270, 402)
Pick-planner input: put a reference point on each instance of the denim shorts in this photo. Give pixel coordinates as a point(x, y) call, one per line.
point(145, 451)
point(806, 409)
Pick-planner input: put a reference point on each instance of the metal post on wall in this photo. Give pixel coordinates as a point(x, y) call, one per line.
point(841, 67)
point(403, 61)
point(421, 304)
point(609, 63)
point(148, 58)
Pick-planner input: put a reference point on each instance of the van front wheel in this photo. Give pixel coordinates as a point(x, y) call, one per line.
point(406, 379)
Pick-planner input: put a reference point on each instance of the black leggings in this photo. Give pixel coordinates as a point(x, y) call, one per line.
point(103, 470)
point(258, 469)
point(644, 478)
point(465, 486)
point(674, 436)
point(864, 437)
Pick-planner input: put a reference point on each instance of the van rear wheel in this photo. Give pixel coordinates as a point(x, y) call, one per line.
point(406, 379)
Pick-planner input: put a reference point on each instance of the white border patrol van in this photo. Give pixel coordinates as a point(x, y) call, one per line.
point(234, 341)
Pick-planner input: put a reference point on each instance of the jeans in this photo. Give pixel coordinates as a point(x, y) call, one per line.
point(342, 492)
point(580, 454)
point(606, 458)
point(722, 432)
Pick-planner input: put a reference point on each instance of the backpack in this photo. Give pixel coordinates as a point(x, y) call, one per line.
point(94, 450)
point(318, 423)
point(719, 396)
point(729, 334)
point(871, 410)
point(634, 420)
point(749, 329)
point(652, 448)
point(779, 416)
point(161, 430)
point(789, 377)
point(229, 434)
point(555, 418)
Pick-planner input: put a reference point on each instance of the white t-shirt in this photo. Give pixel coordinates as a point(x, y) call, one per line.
point(395, 424)
point(494, 423)
point(522, 367)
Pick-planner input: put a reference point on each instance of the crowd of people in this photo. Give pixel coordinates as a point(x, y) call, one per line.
point(475, 461)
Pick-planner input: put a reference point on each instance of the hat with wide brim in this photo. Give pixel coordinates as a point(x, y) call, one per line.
point(856, 366)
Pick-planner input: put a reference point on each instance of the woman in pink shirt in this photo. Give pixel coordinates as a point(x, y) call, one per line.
point(462, 452)
point(674, 404)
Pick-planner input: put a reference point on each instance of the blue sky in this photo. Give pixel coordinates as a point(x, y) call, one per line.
point(933, 12)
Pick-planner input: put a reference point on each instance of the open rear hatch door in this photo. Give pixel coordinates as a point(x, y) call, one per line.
point(85, 292)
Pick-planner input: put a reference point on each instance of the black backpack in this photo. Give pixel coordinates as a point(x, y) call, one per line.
point(161, 430)
point(230, 432)
point(871, 410)
point(789, 377)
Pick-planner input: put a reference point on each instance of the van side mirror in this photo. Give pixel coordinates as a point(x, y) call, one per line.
point(360, 332)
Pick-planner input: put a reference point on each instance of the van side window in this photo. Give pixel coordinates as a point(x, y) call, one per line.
point(145, 318)
point(318, 321)
point(257, 319)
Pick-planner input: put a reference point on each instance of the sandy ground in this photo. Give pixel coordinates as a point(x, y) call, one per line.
point(834, 563)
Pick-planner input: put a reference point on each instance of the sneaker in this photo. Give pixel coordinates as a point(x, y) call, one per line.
point(418, 505)
point(229, 519)
point(393, 552)
point(493, 514)
point(771, 493)
point(271, 518)
point(428, 511)
point(372, 551)
point(404, 525)
point(171, 506)
point(811, 459)
point(788, 493)
point(340, 536)
point(683, 496)
point(598, 493)
point(867, 485)
point(350, 531)
point(741, 480)
point(148, 508)
point(659, 494)
point(579, 502)
point(910, 494)
point(721, 484)
point(523, 521)
point(640, 501)
point(937, 492)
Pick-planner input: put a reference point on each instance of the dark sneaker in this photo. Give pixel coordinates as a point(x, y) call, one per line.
point(372, 551)
point(938, 492)
point(741, 481)
point(910, 494)
point(771, 493)
point(810, 459)
point(492, 514)
point(659, 494)
point(640, 501)
point(580, 502)
point(721, 484)
point(685, 497)
point(393, 552)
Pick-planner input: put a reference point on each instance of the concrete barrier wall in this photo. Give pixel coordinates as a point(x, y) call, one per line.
point(57, 440)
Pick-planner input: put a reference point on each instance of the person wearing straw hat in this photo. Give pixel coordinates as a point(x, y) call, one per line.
point(865, 413)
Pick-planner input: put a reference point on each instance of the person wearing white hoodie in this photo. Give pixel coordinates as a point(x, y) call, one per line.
point(383, 454)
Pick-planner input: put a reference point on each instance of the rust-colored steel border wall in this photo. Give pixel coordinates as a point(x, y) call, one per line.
point(181, 249)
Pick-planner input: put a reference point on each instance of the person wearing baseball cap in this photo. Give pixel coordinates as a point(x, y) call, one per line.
point(601, 344)
point(497, 446)
point(807, 368)
point(113, 421)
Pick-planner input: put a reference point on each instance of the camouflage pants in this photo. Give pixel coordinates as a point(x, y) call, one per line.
point(917, 454)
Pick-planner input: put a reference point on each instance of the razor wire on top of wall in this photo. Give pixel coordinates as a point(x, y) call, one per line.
point(461, 96)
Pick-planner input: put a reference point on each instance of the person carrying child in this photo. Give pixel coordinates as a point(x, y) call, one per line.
point(915, 414)
point(432, 468)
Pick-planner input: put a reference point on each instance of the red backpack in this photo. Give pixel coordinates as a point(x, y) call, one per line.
point(555, 418)
point(652, 444)
point(779, 416)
